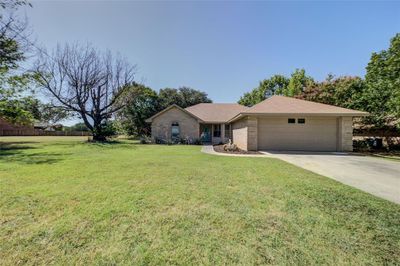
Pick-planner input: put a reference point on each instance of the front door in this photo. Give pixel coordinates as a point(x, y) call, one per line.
point(205, 135)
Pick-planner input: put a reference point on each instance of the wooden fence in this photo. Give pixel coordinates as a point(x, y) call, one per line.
point(38, 132)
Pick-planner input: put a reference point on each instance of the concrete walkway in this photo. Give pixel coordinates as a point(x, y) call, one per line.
point(377, 176)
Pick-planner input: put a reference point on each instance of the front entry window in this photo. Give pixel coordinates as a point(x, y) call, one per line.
point(175, 131)
point(227, 131)
point(217, 131)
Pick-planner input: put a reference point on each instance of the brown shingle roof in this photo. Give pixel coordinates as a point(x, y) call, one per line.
point(150, 119)
point(276, 105)
point(216, 112)
point(288, 105)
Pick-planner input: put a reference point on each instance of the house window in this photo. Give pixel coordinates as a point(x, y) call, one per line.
point(301, 121)
point(291, 120)
point(217, 131)
point(228, 131)
point(175, 130)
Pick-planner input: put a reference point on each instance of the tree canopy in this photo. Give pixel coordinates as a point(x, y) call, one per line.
point(382, 93)
point(378, 93)
point(278, 85)
point(14, 83)
point(268, 87)
point(183, 97)
point(141, 102)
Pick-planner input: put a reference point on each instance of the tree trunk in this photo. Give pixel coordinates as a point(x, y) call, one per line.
point(97, 137)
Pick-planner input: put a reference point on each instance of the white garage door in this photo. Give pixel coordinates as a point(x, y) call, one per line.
point(316, 134)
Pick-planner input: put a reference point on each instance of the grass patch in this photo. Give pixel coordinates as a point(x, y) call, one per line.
point(65, 201)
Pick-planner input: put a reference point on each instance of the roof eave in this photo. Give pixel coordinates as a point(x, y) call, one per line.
point(243, 114)
point(309, 114)
point(150, 120)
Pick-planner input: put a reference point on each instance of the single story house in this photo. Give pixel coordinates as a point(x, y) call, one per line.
point(278, 123)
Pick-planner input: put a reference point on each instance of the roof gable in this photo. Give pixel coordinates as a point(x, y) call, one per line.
point(149, 120)
point(216, 112)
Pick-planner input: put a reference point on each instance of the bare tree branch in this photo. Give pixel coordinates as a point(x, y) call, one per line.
point(85, 81)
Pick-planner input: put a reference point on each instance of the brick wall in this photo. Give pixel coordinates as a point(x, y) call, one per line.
point(161, 125)
point(345, 131)
point(239, 133)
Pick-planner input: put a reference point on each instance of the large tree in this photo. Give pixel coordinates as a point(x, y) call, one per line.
point(343, 91)
point(297, 83)
point(85, 81)
point(14, 83)
point(382, 96)
point(140, 102)
point(278, 85)
point(183, 97)
point(268, 87)
point(13, 35)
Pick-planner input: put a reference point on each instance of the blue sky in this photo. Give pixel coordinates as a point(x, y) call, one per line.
point(223, 48)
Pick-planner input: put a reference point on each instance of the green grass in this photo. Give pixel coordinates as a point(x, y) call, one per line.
point(64, 201)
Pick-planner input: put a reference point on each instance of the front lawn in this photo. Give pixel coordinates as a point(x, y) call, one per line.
point(64, 201)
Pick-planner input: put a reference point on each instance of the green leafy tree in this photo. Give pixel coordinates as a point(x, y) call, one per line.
point(275, 85)
point(191, 97)
point(140, 102)
point(169, 96)
point(12, 36)
point(382, 96)
point(342, 91)
point(297, 83)
point(50, 114)
point(183, 97)
point(79, 127)
point(14, 104)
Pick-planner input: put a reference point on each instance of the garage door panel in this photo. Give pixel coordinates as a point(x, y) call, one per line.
point(317, 134)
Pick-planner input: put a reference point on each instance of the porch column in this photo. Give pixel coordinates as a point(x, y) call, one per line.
point(252, 133)
point(212, 133)
point(199, 131)
point(223, 133)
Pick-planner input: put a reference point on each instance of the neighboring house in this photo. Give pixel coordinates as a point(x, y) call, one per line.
point(277, 123)
point(48, 127)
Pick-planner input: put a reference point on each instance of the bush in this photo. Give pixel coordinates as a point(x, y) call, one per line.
point(183, 141)
point(361, 145)
point(197, 142)
point(145, 140)
point(105, 131)
point(230, 147)
point(109, 130)
point(368, 144)
point(160, 141)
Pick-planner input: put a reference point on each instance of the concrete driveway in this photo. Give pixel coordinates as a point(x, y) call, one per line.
point(378, 176)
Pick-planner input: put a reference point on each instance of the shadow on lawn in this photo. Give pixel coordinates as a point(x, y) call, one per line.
point(114, 144)
point(14, 152)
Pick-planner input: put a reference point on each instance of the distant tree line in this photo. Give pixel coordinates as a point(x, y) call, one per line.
point(378, 92)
